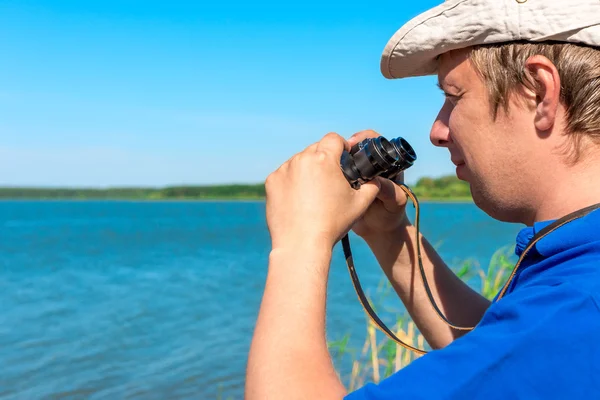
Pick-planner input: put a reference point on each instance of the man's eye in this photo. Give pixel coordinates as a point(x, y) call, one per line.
point(452, 98)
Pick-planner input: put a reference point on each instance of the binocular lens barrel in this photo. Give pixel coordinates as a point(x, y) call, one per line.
point(406, 152)
point(376, 157)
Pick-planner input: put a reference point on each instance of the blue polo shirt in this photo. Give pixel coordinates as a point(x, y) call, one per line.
point(540, 341)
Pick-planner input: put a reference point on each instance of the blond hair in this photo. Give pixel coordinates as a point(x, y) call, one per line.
point(502, 67)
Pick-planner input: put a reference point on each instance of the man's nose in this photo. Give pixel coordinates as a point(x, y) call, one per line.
point(440, 132)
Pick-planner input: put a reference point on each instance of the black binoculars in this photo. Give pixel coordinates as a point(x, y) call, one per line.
point(376, 157)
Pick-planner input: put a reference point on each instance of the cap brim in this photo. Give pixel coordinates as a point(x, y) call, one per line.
point(414, 49)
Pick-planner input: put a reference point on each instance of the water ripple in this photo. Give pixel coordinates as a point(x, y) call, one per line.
point(126, 300)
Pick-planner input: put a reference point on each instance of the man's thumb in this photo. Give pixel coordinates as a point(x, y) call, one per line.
point(391, 195)
point(369, 191)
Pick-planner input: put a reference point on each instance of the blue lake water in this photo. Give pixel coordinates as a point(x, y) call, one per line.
point(155, 300)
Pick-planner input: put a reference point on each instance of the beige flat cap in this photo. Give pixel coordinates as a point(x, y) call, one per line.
point(455, 24)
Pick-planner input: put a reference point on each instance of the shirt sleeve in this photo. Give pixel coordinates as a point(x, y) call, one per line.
point(520, 349)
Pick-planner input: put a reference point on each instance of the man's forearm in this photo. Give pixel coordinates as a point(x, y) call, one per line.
point(460, 304)
point(288, 357)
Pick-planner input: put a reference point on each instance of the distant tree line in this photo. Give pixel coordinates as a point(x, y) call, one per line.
point(255, 191)
point(444, 188)
point(447, 187)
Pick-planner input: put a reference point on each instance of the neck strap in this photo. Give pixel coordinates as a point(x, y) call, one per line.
point(543, 232)
point(365, 303)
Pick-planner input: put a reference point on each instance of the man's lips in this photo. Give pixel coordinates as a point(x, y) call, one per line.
point(456, 157)
point(460, 169)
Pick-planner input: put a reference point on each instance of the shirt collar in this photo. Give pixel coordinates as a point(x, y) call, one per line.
point(526, 234)
point(576, 232)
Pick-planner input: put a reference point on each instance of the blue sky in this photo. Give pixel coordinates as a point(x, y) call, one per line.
point(155, 93)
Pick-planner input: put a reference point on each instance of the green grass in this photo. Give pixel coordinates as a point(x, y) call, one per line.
point(168, 193)
point(444, 189)
point(379, 357)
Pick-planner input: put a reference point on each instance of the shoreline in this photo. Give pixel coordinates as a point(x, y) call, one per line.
point(200, 200)
point(447, 189)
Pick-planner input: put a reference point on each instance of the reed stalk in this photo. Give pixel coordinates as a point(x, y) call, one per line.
point(381, 357)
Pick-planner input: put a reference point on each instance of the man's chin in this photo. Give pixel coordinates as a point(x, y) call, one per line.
point(493, 205)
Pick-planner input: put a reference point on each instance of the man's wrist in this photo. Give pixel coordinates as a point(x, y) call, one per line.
point(393, 248)
point(305, 255)
point(398, 235)
point(302, 243)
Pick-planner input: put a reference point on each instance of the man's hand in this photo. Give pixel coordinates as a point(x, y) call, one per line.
point(387, 212)
point(310, 206)
point(309, 201)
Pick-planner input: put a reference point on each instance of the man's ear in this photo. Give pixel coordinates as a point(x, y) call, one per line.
point(546, 82)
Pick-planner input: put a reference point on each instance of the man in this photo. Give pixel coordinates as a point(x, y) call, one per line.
point(521, 121)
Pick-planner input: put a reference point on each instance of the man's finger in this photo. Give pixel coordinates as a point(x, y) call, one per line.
point(307, 150)
point(334, 144)
point(368, 192)
point(362, 135)
point(392, 197)
point(311, 148)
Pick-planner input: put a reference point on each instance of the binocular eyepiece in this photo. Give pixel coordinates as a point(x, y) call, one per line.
point(376, 157)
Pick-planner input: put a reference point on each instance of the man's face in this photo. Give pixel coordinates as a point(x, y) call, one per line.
point(491, 154)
